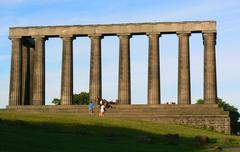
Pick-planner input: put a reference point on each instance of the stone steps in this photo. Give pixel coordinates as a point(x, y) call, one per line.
point(122, 109)
point(202, 116)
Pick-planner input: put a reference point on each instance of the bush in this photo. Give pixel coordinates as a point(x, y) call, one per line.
point(56, 101)
point(78, 99)
point(81, 98)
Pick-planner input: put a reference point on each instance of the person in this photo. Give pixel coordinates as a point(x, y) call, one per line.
point(91, 107)
point(102, 110)
point(101, 102)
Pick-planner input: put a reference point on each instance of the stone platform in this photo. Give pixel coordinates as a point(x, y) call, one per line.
point(208, 116)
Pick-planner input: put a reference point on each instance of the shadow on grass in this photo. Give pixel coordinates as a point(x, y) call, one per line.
point(18, 135)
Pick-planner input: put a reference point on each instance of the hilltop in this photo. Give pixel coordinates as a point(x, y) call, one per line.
point(50, 132)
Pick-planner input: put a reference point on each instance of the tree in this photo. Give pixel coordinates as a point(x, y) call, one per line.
point(81, 98)
point(78, 99)
point(233, 114)
point(56, 101)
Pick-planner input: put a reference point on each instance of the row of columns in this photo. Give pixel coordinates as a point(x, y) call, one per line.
point(27, 82)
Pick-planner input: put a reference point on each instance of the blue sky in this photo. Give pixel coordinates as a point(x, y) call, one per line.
point(68, 12)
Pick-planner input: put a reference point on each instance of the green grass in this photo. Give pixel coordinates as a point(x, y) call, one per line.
point(71, 132)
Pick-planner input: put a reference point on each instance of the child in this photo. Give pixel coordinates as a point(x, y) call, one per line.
point(91, 107)
point(102, 110)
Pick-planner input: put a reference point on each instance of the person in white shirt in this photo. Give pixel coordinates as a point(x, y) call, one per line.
point(101, 102)
point(102, 110)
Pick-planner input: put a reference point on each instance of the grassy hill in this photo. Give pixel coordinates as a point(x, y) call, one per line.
point(72, 132)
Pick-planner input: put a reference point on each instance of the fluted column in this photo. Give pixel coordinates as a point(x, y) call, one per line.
point(184, 87)
point(67, 71)
point(39, 71)
point(210, 79)
point(124, 80)
point(153, 69)
point(15, 77)
point(95, 69)
point(31, 79)
point(25, 72)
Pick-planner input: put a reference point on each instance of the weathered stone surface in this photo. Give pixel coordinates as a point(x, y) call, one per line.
point(124, 80)
point(95, 89)
point(31, 74)
point(39, 71)
point(210, 78)
point(67, 71)
point(25, 74)
point(184, 88)
point(15, 75)
point(153, 69)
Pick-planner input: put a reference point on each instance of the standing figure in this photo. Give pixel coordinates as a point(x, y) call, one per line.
point(102, 110)
point(91, 108)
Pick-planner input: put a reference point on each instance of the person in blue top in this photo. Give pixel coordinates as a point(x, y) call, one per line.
point(91, 107)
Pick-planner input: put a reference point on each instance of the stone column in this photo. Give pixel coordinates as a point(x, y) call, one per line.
point(31, 79)
point(153, 69)
point(39, 71)
point(210, 79)
point(67, 71)
point(25, 72)
point(15, 77)
point(95, 87)
point(124, 80)
point(184, 87)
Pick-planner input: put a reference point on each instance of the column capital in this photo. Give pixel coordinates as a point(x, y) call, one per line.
point(95, 35)
point(183, 33)
point(209, 34)
point(39, 37)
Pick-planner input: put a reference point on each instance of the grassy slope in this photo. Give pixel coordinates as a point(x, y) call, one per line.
point(71, 132)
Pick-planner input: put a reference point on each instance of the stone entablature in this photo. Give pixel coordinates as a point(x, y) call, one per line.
point(115, 29)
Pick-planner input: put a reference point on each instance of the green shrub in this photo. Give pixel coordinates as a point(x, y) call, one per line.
point(78, 99)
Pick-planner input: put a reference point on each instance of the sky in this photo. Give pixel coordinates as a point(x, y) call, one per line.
point(80, 12)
